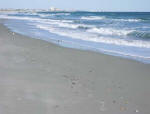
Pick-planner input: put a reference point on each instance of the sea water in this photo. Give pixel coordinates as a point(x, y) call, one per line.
point(124, 34)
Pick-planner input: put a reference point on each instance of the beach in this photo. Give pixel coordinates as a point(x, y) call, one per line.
point(38, 77)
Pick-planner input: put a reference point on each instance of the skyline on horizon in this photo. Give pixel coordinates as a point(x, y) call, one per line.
point(94, 5)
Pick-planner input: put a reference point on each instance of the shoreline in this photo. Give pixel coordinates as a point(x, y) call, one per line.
point(80, 47)
point(38, 77)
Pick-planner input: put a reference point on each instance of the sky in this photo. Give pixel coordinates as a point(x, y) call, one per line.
point(104, 5)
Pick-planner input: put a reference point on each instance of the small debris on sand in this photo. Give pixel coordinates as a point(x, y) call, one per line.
point(114, 101)
point(90, 71)
point(56, 106)
point(123, 108)
point(136, 110)
point(126, 102)
point(102, 106)
point(73, 83)
point(90, 95)
point(19, 98)
point(66, 76)
point(109, 90)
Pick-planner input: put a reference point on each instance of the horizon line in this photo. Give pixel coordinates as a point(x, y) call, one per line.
point(1, 9)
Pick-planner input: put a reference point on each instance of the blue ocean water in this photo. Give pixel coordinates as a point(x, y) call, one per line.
point(125, 34)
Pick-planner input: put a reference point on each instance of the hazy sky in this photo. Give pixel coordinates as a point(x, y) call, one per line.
point(106, 5)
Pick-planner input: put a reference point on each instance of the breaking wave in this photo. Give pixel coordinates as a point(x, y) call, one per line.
point(110, 31)
point(95, 38)
point(92, 18)
point(128, 34)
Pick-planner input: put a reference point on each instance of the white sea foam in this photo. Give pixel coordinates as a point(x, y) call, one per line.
point(95, 38)
point(19, 18)
point(62, 14)
point(73, 26)
point(88, 35)
point(110, 31)
point(95, 34)
point(102, 40)
point(93, 17)
point(64, 23)
point(46, 21)
point(128, 20)
point(67, 21)
point(103, 17)
point(59, 23)
point(51, 14)
point(44, 15)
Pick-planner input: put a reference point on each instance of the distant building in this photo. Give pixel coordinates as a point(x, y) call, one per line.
point(54, 9)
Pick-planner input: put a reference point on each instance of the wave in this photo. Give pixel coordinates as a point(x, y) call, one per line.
point(95, 38)
point(44, 15)
point(62, 14)
point(140, 34)
point(115, 35)
point(93, 18)
point(52, 14)
point(102, 40)
point(19, 18)
point(110, 31)
point(31, 18)
point(128, 20)
point(66, 25)
point(73, 26)
point(88, 30)
point(59, 23)
point(103, 17)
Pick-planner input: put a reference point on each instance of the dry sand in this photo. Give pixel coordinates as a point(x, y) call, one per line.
point(37, 77)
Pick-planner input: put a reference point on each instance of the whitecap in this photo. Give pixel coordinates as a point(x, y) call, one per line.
point(92, 17)
point(110, 31)
point(95, 38)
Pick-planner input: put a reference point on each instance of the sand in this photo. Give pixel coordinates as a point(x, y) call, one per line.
point(37, 77)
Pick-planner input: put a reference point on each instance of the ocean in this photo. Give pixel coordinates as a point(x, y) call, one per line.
point(124, 34)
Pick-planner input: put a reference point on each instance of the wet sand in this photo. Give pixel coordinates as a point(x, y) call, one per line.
point(37, 77)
